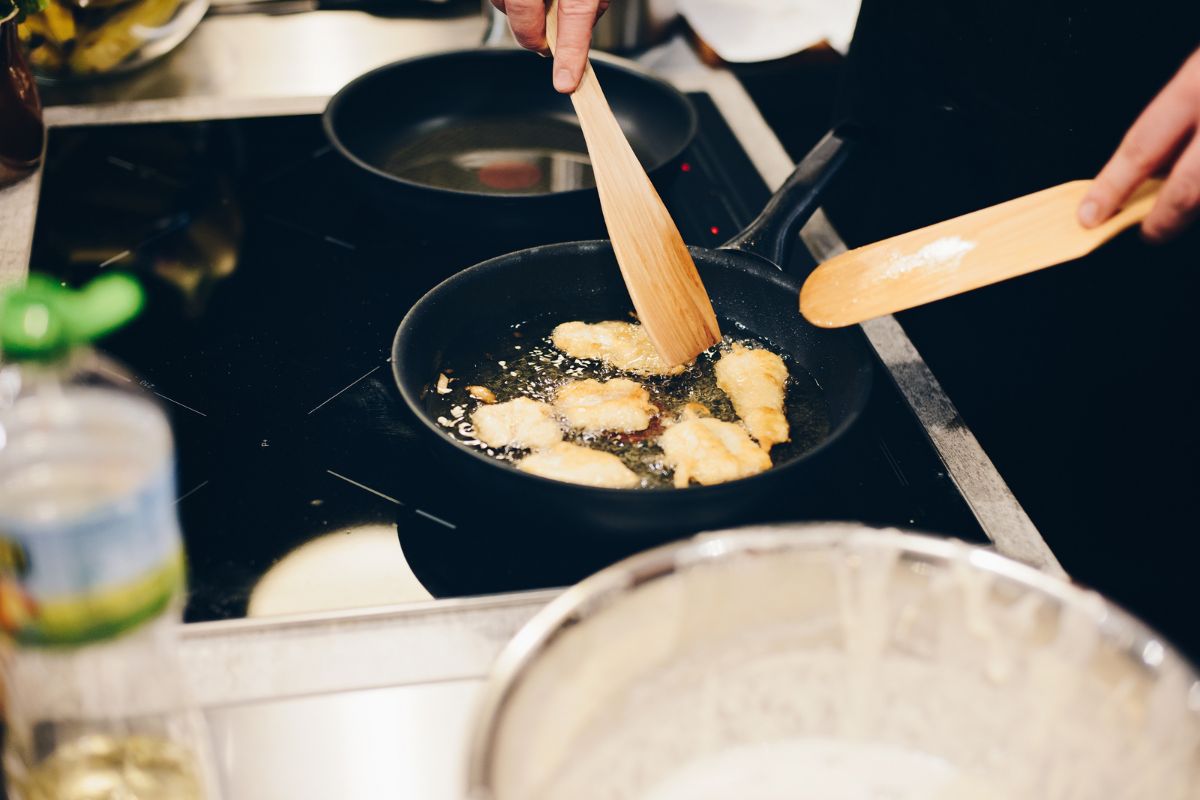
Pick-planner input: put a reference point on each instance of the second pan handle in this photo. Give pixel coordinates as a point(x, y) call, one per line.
point(773, 233)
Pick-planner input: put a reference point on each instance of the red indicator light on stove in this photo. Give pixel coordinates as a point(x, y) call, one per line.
point(714, 230)
point(686, 167)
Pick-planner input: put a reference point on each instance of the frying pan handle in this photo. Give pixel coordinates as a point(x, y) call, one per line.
point(772, 234)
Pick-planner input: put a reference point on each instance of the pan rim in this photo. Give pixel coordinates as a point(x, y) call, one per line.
point(761, 268)
point(330, 128)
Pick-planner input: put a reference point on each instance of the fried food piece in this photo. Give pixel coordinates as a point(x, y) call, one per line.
point(709, 451)
point(691, 411)
point(575, 464)
point(623, 345)
point(617, 405)
point(521, 423)
point(754, 381)
point(482, 394)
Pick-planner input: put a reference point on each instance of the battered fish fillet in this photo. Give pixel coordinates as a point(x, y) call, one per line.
point(574, 464)
point(520, 423)
point(620, 344)
point(754, 381)
point(691, 411)
point(616, 405)
point(709, 451)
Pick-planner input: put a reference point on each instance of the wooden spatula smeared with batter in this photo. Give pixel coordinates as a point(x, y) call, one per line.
point(658, 270)
point(978, 249)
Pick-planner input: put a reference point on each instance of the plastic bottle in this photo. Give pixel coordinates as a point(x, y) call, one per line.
point(91, 562)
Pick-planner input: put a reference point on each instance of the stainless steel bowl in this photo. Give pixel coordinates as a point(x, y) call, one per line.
point(775, 657)
point(80, 40)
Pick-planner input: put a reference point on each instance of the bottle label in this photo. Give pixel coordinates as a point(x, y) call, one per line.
point(65, 582)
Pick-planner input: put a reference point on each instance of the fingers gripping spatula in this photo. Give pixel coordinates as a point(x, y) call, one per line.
point(663, 283)
point(978, 249)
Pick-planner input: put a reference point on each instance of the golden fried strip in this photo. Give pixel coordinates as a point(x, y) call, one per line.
point(756, 381)
point(575, 464)
point(521, 423)
point(594, 406)
point(709, 451)
point(620, 344)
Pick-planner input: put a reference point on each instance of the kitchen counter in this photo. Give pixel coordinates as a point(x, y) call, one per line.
point(376, 702)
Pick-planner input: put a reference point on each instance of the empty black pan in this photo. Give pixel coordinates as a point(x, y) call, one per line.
point(580, 280)
point(482, 135)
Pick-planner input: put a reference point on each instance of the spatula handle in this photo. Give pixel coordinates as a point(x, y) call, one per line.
point(958, 255)
point(596, 118)
point(773, 233)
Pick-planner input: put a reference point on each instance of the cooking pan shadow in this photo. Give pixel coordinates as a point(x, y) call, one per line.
point(437, 135)
point(580, 280)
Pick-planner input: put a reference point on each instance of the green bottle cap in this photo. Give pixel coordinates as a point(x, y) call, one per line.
point(44, 319)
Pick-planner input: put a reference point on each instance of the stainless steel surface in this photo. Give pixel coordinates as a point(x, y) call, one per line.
point(256, 55)
point(18, 208)
point(628, 25)
point(240, 66)
point(251, 660)
point(355, 705)
point(1027, 684)
point(403, 742)
point(496, 32)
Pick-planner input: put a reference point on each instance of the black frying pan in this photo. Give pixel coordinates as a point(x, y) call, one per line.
point(439, 135)
point(580, 280)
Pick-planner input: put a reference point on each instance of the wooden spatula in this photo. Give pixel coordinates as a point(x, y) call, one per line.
point(662, 280)
point(977, 249)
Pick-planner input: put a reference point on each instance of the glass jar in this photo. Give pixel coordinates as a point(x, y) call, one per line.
point(21, 129)
point(92, 574)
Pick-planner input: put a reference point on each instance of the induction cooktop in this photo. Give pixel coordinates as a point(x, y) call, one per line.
point(275, 288)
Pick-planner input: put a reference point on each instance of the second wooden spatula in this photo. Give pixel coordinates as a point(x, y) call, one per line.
point(663, 283)
point(974, 250)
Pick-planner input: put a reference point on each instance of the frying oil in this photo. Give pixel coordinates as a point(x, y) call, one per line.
point(505, 154)
point(524, 363)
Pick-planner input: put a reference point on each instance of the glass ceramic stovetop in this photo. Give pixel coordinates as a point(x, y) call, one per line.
point(274, 294)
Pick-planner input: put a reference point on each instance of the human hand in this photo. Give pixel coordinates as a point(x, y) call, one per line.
point(575, 20)
point(1166, 137)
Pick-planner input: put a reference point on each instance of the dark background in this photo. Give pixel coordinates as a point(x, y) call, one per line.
point(1076, 380)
